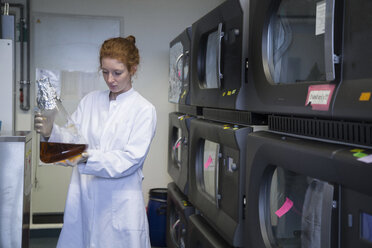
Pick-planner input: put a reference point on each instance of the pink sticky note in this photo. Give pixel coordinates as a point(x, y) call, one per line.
point(176, 145)
point(288, 204)
point(208, 163)
point(319, 96)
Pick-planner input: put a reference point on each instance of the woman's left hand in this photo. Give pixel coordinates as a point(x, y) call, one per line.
point(73, 161)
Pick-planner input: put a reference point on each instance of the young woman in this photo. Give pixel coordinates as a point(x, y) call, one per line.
point(105, 205)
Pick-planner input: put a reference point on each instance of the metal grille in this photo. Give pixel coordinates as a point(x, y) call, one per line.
point(342, 131)
point(234, 116)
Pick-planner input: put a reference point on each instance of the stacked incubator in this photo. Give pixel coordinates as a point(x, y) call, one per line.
point(272, 142)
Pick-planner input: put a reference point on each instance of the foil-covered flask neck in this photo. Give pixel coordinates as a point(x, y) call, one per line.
point(46, 95)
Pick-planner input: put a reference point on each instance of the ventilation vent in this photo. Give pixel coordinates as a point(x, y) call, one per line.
point(234, 116)
point(190, 110)
point(342, 131)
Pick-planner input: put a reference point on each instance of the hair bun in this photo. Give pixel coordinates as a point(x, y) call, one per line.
point(131, 38)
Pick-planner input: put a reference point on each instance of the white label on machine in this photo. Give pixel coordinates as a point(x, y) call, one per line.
point(366, 159)
point(319, 96)
point(320, 18)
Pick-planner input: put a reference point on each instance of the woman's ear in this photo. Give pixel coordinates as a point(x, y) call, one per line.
point(133, 70)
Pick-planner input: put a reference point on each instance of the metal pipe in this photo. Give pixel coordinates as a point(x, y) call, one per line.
point(24, 84)
point(6, 9)
point(20, 6)
point(28, 52)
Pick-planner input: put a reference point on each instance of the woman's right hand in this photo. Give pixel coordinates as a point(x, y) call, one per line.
point(43, 125)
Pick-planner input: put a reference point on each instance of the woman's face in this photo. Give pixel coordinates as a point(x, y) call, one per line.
point(117, 76)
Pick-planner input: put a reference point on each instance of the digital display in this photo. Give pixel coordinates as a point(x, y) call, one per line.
point(366, 227)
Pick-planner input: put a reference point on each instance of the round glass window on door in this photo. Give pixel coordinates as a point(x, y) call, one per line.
point(178, 139)
point(295, 210)
point(294, 44)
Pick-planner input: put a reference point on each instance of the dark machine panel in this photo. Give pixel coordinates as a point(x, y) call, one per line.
point(216, 176)
point(178, 149)
point(178, 211)
point(219, 50)
point(353, 100)
point(294, 56)
point(202, 235)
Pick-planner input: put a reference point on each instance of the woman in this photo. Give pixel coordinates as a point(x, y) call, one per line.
point(105, 205)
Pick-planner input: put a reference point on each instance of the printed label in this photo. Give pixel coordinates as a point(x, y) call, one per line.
point(320, 18)
point(366, 159)
point(319, 96)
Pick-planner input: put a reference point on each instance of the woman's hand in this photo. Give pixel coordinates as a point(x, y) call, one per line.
point(73, 161)
point(43, 125)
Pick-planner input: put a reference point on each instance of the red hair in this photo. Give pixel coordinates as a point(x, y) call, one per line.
point(121, 49)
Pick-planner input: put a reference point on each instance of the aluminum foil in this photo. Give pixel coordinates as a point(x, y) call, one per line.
point(46, 95)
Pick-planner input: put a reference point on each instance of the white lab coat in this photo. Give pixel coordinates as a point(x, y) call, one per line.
point(105, 206)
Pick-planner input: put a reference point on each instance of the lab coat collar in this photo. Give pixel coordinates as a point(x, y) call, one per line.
point(122, 96)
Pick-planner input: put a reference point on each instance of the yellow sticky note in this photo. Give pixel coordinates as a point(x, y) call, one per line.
point(229, 93)
point(233, 92)
point(226, 127)
point(183, 94)
point(223, 94)
point(357, 150)
point(365, 96)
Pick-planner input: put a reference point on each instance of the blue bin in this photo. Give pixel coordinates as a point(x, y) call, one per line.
point(157, 216)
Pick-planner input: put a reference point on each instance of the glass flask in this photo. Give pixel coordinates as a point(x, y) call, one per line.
point(65, 141)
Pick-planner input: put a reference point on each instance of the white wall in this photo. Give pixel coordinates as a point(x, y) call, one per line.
point(6, 93)
point(154, 23)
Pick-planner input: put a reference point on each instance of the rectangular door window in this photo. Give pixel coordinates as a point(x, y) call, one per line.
point(175, 72)
point(295, 42)
point(210, 168)
point(211, 61)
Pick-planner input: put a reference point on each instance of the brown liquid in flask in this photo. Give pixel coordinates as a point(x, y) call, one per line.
point(51, 152)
